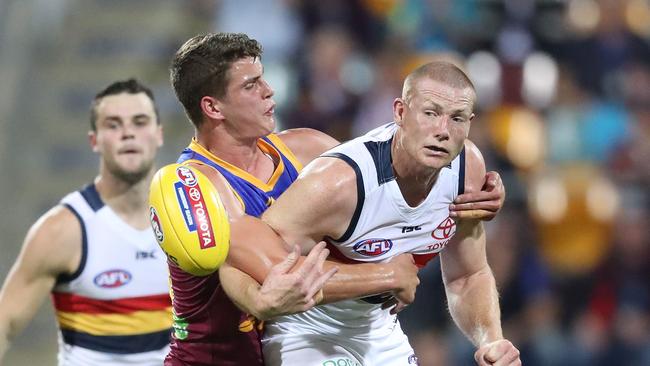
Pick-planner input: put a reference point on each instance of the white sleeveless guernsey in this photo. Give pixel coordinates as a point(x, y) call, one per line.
point(359, 332)
point(115, 309)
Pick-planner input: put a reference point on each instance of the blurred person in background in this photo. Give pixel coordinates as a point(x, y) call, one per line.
point(616, 323)
point(95, 252)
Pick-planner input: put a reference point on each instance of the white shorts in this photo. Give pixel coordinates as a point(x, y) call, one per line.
point(386, 347)
point(78, 356)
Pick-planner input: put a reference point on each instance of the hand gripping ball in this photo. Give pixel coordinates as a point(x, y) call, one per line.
point(188, 219)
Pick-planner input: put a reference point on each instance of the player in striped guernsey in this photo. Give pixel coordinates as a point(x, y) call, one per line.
point(95, 251)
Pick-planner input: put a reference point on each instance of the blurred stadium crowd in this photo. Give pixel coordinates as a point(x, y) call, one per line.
point(563, 114)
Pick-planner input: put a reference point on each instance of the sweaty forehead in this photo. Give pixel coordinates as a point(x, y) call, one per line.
point(428, 90)
point(245, 67)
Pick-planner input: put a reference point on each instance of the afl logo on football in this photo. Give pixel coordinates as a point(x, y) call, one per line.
point(373, 247)
point(112, 278)
point(155, 224)
point(186, 176)
point(445, 230)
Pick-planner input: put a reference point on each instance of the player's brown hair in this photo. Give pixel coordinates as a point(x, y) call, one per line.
point(200, 67)
point(129, 86)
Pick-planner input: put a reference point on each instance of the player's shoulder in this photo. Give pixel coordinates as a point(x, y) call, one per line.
point(59, 222)
point(227, 195)
point(56, 239)
point(331, 181)
point(307, 143)
point(474, 167)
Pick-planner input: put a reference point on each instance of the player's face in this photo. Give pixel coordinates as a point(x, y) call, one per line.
point(248, 105)
point(128, 135)
point(434, 122)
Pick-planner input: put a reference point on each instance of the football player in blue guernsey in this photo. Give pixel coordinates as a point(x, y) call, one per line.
point(376, 197)
point(219, 80)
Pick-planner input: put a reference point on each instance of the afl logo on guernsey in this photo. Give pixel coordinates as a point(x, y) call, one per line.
point(373, 247)
point(186, 176)
point(112, 278)
point(445, 230)
point(155, 224)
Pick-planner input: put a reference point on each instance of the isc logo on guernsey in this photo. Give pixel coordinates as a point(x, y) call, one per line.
point(373, 247)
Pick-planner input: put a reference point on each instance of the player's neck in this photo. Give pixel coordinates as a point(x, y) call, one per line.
point(128, 200)
point(242, 153)
point(414, 181)
point(415, 189)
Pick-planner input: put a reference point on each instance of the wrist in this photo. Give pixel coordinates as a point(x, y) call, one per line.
point(395, 282)
point(260, 305)
point(484, 336)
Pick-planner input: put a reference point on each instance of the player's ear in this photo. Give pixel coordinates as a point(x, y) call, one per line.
point(92, 140)
point(160, 135)
point(398, 111)
point(211, 108)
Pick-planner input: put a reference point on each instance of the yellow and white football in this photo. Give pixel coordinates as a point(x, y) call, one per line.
point(189, 220)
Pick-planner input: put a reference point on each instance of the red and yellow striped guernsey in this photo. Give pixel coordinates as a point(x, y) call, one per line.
point(115, 308)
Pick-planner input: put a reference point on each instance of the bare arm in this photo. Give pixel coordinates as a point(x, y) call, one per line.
point(282, 291)
point(289, 287)
point(319, 204)
point(483, 204)
point(306, 143)
point(52, 247)
point(255, 248)
point(469, 283)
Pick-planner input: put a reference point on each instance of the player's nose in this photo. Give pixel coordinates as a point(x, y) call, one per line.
point(267, 90)
point(441, 127)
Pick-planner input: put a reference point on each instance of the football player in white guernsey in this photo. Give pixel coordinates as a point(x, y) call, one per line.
point(378, 196)
point(95, 252)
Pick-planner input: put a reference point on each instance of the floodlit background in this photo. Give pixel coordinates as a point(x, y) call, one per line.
point(563, 115)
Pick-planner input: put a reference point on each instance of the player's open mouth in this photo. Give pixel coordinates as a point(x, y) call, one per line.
point(437, 149)
point(270, 111)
